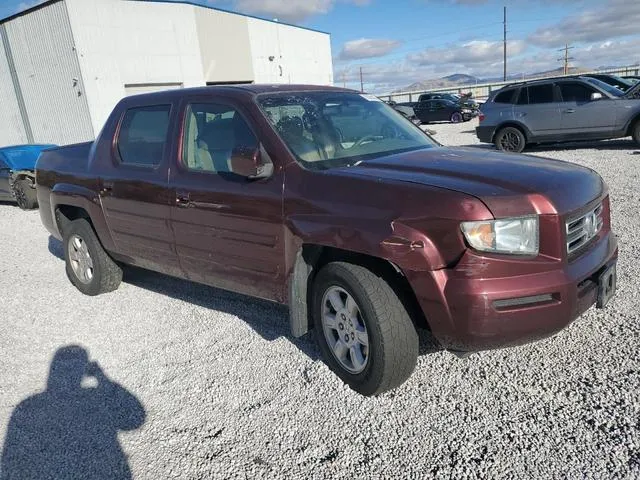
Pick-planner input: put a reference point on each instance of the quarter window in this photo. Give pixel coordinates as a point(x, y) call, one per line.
point(504, 97)
point(143, 135)
point(212, 132)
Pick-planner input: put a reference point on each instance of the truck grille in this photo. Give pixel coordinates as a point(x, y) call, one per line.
point(582, 229)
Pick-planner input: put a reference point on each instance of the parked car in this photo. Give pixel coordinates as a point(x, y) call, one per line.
point(613, 80)
point(405, 109)
point(249, 188)
point(558, 110)
point(442, 110)
point(632, 78)
point(465, 101)
point(17, 177)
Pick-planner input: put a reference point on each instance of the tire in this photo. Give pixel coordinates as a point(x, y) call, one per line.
point(635, 132)
point(456, 117)
point(391, 351)
point(510, 139)
point(25, 195)
point(79, 242)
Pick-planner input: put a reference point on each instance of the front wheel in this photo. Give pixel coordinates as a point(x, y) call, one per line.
point(88, 266)
point(25, 195)
point(456, 117)
point(363, 330)
point(510, 139)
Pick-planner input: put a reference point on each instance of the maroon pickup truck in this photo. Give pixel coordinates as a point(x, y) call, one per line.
point(331, 202)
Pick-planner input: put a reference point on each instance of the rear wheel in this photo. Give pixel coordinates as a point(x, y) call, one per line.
point(510, 139)
point(25, 194)
point(363, 329)
point(88, 266)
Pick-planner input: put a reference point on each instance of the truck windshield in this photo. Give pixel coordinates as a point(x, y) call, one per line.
point(336, 129)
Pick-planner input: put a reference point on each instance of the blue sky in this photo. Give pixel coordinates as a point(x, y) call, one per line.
point(403, 41)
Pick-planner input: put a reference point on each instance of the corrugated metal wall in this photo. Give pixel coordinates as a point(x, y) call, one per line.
point(12, 131)
point(48, 72)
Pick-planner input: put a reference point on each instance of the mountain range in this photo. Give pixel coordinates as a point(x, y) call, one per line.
point(460, 79)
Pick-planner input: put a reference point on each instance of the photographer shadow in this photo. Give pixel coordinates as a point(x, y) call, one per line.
point(70, 430)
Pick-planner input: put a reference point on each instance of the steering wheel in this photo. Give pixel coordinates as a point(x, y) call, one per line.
point(360, 141)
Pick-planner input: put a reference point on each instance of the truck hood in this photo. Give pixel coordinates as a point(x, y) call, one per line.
point(508, 184)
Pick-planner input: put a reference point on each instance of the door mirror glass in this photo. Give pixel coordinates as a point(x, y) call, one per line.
point(596, 96)
point(248, 162)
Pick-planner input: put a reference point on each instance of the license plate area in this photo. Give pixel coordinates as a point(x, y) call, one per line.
point(606, 286)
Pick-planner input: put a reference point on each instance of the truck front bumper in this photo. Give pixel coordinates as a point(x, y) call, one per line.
point(468, 309)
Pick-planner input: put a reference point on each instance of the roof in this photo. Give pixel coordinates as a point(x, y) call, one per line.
point(183, 2)
point(237, 90)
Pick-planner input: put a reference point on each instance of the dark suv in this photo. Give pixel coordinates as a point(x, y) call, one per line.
point(558, 110)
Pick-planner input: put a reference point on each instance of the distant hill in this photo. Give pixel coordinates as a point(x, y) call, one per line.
point(460, 79)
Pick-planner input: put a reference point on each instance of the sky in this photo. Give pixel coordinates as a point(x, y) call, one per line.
point(398, 42)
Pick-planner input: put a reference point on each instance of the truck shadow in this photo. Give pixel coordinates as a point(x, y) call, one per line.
point(269, 320)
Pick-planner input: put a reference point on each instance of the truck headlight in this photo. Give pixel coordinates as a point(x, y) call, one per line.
point(518, 236)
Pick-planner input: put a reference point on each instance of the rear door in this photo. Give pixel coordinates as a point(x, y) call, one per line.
point(583, 116)
point(134, 187)
point(5, 191)
point(228, 229)
point(537, 107)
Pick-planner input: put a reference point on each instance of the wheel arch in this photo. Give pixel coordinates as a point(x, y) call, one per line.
point(512, 123)
point(632, 123)
point(309, 261)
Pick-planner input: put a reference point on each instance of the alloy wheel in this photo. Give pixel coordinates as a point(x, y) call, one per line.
point(80, 259)
point(345, 330)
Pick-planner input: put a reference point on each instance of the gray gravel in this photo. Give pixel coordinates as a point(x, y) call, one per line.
point(227, 393)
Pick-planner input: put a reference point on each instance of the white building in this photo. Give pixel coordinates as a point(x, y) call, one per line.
point(65, 63)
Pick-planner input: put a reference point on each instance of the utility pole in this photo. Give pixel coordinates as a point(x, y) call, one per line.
point(361, 83)
point(566, 57)
point(505, 44)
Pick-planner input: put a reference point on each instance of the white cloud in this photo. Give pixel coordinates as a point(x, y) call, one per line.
point(470, 53)
point(617, 19)
point(290, 10)
point(367, 48)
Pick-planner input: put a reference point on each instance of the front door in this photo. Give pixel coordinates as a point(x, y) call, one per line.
point(228, 229)
point(134, 188)
point(582, 116)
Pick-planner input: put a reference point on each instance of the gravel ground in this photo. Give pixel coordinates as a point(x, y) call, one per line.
point(200, 383)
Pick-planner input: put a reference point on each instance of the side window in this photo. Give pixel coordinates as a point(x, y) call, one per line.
point(504, 97)
point(211, 133)
point(523, 97)
point(575, 92)
point(143, 134)
point(541, 93)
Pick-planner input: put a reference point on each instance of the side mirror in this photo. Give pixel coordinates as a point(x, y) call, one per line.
point(248, 162)
point(596, 96)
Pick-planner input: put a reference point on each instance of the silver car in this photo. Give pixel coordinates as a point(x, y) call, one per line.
point(555, 110)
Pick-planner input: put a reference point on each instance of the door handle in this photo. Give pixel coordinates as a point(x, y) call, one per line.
point(570, 110)
point(183, 200)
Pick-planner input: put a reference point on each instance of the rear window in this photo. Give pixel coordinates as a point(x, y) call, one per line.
point(504, 97)
point(540, 93)
point(143, 134)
